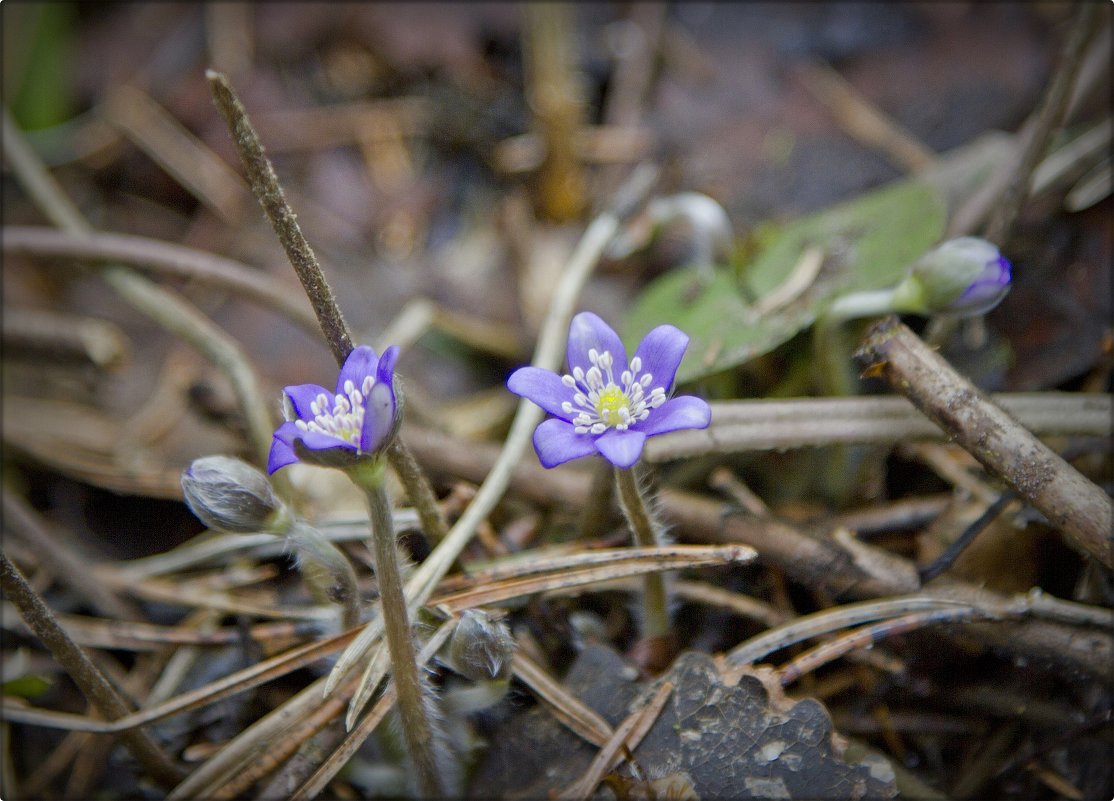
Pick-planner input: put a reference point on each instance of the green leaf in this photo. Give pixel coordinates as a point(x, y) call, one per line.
point(866, 243)
point(38, 60)
point(28, 686)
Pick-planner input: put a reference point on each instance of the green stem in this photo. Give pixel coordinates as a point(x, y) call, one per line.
point(416, 727)
point(836, 375)
point(654, 600)
point(868, 303)
point(92, 682)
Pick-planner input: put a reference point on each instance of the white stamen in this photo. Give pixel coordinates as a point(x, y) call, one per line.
point(600, 402)
point(344, 420)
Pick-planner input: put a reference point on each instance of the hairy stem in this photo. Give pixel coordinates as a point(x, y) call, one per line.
point(416, 727)
point(316, 554)
point(655, 603)
point(264, 183)
point(93, 684)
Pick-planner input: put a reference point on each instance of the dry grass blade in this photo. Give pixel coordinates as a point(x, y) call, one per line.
point(628, 735)
point(558, 558)
point(243, 750)
point(219, 549)
point(556, 573)
point(239, 681)
point(580, 719)
point(742, 605)
point(339, 758)
point(623, 562)
point(275, 751)
point(164, 258)
point(830, 620)
point(866, 636)
point(127, 635)
point(377, 668)
point(179, 594)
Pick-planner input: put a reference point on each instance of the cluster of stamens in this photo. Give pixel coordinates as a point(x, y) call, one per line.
point(600, 403)
point(345, 420)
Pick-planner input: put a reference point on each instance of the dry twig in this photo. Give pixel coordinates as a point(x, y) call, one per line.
point(1070, 501)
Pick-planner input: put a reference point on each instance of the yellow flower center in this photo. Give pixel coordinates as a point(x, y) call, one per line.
point(599, 402)
point(611, 400)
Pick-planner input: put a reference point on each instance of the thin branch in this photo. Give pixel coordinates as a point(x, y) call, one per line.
point(1065, 496)
point(264, 183)
point(760, 425)
point(64, 562)
point(968, 217)
point(93, 684)
point(961, 543)
point(164, 258)
point(62, 338)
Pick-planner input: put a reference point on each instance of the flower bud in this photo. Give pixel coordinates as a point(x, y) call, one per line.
point(965, 277)
point(481, 647)
point(228, 494)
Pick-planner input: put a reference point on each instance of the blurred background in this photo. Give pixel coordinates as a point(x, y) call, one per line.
point(444, 159)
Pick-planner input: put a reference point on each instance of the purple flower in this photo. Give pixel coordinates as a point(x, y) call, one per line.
point(986, 291)
point(606, 404)
point(344, 428)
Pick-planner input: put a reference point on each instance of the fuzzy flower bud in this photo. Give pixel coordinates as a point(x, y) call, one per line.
point(965, 277)
point(481, 647)
point(228, 494)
